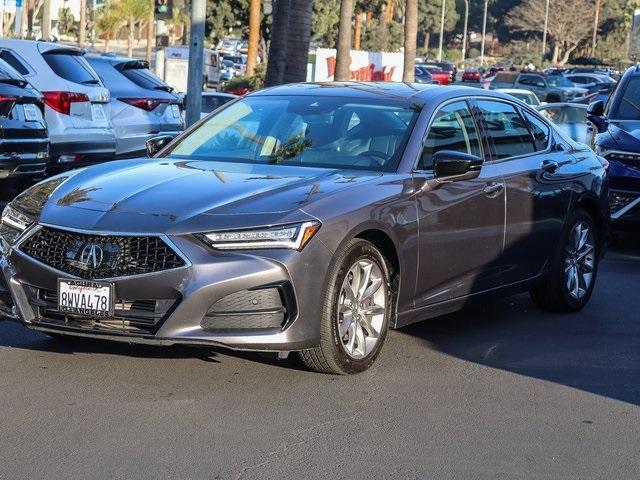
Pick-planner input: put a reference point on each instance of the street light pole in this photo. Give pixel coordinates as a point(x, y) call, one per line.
point(544, 33)
point(196, 61)
point(484, 31)
point(464, 31)
point(444, 6)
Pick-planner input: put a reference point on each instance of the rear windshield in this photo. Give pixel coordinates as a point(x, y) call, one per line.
point(71, 66)
point(7, 72)
point(629, 106)
point(143, 77)
point(211, 102)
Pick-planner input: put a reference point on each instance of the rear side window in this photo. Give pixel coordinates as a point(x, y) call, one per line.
point(452, 128)
point(69, 66)
point(628, 108)
point(143, 77)
point(511, 137)
point(11, 59)
point(539, 129)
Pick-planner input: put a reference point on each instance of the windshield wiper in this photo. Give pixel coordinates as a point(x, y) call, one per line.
point(90, 82)
point(164, 88)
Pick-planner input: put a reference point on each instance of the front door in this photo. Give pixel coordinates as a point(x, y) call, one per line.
point(461, 220)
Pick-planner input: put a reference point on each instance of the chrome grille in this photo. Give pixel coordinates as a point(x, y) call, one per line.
point(120, 255)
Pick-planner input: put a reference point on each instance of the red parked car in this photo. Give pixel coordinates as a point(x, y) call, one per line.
point(471, 75)
point(439, 75)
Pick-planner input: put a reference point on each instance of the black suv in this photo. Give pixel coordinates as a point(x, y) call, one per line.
point(24, 140)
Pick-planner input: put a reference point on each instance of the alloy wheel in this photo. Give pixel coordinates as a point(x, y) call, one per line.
point(362, 306)
point(580, 260)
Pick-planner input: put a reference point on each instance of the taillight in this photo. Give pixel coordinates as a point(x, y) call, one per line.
point(147, 104)
point(6, 105)
point(61, 101)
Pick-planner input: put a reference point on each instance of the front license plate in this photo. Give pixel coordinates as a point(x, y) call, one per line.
point(31, 113)
point(84, 297)
point(175, 109)
point(97, 112)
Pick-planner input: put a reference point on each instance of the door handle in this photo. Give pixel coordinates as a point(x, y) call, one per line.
point(549, 166)
point(492, 189)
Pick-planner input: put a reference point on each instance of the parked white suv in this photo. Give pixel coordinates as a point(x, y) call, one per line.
point(76, 101)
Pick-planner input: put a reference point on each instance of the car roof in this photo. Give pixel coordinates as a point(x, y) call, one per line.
point(515, 90)
point(413, 92)
point(39, 45)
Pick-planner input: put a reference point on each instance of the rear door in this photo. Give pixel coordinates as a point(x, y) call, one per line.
point(70, 65)
point(536, 198)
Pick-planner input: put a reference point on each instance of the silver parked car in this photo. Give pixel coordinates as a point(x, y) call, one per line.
point(312, 218)
point(142, 105)
point(76, 101)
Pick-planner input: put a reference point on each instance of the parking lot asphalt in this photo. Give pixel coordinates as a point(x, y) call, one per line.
point(506, 391)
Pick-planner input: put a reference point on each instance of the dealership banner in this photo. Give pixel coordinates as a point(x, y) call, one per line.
point(365, 66)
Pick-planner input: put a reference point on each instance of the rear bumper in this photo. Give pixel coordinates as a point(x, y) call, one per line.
point(23, 157)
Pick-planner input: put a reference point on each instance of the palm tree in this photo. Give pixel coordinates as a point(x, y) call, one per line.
point(343, 55)
point(410, 38)
point(108, 23)
point(151, 30)
point(82, 27)
point(254, 35)
point(132, 11)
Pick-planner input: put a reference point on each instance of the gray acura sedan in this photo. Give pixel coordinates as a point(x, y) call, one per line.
point(312, 218)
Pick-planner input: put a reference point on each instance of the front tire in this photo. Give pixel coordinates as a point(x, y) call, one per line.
point(569, 284)
point(357, 309)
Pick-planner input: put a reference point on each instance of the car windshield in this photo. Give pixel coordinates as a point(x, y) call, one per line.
point(326, 132)
point(564, 115)
point(527, 98)
point(629, 107)
point(558, 81)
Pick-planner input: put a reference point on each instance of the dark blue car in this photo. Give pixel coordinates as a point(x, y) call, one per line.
point(616, 136)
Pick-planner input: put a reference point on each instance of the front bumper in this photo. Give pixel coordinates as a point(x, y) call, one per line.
point(208, 277)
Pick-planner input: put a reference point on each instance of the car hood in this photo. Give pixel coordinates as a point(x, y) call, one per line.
point(626, 133)
point(623, 135)
point(181, 196)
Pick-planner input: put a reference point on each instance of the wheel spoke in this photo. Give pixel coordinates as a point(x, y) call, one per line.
point(350, 345)
point(368, 325)
point(347, 320)
point(364, 281)
point(376, 283)
point(360, 339)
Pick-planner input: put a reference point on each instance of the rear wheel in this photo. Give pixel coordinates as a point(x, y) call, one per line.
point(356, 312)
point(569, 284)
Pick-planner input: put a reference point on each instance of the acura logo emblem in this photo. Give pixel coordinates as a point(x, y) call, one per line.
point(91, 255)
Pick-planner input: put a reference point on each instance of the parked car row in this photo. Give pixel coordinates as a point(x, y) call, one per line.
point(79, 109)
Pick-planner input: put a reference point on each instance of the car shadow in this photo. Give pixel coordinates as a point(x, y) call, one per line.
point(596, 350)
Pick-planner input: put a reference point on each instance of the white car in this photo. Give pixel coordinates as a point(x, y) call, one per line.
point(76, 102)
point(526, 96)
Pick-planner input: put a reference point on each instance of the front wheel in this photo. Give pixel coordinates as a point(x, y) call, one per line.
point(356, 311)
point(569, 284)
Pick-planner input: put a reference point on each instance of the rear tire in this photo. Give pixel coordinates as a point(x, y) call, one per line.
point(357, 308)
point(569, 284)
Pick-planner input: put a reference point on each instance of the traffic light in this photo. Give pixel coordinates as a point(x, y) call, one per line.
point(162, 9)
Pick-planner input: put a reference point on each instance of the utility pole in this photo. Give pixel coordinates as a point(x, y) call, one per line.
point(464, 30)
point(46, 20)
point(484, 31)
point(596, 20)
point(444, 6)
point(196, 61)
point(544, 34)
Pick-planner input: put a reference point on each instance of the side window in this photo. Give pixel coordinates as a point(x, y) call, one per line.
point(539, 129)
point(452, 128)
point(12, 60)
point(525, 81)
point(511, 137)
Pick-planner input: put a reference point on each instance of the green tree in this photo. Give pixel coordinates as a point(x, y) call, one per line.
point(108, 23)
point(429, 15)
point(132, 12)
point(324, 25)
point(225, 17)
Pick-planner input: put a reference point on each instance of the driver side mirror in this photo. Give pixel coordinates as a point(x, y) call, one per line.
point(449, 163)
point(155, 144)
point(595, 115)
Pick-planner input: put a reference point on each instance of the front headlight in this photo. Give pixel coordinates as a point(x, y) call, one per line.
point(293, 237)
point(15, 219)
